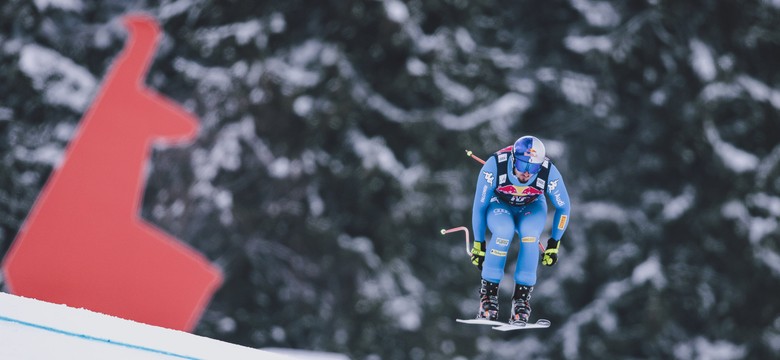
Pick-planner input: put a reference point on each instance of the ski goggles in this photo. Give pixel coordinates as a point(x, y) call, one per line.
point(525, 166)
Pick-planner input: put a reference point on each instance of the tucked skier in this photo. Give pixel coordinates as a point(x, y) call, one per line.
point(511, 198)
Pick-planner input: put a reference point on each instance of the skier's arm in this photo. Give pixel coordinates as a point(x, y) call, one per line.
point(486, 183)
point(559, 197)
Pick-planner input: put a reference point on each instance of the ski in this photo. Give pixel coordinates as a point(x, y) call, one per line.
point(481, 322)
point(539, 324)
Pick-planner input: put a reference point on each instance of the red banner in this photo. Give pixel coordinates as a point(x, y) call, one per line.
point(84, 243)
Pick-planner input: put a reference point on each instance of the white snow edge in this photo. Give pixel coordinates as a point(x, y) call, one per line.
point(33, 329)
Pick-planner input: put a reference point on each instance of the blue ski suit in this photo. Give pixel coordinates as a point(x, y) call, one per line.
point(526, 215)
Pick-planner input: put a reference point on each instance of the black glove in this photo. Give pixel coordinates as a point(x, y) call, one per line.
point(550, 256)
point(478, 254)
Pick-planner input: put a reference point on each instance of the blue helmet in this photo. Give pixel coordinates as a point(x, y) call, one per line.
point(529, 154)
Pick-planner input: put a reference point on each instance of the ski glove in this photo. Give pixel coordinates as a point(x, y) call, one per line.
point(478, 254)
point(550, 256)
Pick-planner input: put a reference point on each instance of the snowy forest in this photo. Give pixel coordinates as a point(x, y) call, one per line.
point(332, 152)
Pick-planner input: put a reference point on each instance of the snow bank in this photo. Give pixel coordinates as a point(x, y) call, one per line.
point(32, 329)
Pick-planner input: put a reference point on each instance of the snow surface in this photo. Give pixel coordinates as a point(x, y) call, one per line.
point(33, 329)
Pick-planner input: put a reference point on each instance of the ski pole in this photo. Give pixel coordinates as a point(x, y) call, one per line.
point(475, 157)
point(460, 228)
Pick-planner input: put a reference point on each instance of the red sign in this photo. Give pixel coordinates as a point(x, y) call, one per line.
point(84, 243)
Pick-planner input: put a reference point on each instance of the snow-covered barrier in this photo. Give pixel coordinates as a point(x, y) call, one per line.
point(32, 329)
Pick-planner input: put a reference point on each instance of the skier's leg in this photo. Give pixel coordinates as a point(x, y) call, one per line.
point(521, 305)
point(502, 228)
point(501, 224)
point(530, 226)
point(488, 300)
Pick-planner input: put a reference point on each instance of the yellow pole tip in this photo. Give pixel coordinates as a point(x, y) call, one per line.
point(443, 231)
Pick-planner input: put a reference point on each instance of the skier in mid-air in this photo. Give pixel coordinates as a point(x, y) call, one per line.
point(510, 197)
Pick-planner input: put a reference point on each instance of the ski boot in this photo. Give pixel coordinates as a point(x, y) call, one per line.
point(488, 301)
point(521, 308)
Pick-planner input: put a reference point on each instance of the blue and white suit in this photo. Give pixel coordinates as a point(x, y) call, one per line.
point(528, 220)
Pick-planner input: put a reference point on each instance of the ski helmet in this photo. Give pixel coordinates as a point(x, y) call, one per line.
point(529, 154)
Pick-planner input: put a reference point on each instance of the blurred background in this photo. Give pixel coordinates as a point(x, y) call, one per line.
point(331, 153)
